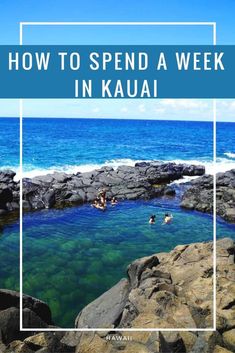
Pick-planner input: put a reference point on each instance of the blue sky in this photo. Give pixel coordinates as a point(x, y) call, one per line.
point(15, 11)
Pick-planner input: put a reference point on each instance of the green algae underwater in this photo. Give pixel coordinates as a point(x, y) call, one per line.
point(72, 256)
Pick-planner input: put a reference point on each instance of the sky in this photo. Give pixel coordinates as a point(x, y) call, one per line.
point(15, 11)
point(161, 109)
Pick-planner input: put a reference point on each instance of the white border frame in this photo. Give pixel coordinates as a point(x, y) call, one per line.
point(22, 24)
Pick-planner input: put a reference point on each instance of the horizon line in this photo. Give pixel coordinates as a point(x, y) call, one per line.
point(103, 118)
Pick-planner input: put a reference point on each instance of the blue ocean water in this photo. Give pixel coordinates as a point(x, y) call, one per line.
point(9, 142)
point(84, 144)
point(83, 247)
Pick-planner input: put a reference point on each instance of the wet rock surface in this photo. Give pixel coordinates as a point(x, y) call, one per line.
point(9, 192)
point(200, 195)
point(143, 181)
point(35, 314)
point(106, 310)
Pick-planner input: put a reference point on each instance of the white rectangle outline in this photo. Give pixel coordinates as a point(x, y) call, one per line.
point(213, 24)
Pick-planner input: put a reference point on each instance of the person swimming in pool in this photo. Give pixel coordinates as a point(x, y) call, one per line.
point(114, 201)
point(167, 218)
point(152, 219)
point(100, 201)
point(101, 206)
point(95, 202)
point(98, 204)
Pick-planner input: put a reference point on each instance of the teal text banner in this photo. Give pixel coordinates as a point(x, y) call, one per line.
point(106, 72)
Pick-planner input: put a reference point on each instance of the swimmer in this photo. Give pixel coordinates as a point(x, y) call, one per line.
point(114, 201)
point(152, 219)
point(95, 202)
point(98, 204)
point(101, 207)
point(167, 218)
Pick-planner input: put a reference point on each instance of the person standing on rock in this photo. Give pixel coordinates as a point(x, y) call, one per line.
point(102, 196)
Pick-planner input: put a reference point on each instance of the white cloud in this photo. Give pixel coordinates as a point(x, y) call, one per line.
point(229, 105)
point(159, 110)
point(95, 110)
point(166, 109)
point(183, 103)
point(9, 107)
point(142, 108)
point(225, 110)
point(124, 110)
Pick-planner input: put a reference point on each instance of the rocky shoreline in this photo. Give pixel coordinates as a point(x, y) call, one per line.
point(168, 290)
point(143, 181)
point(200, 195)
point(165, 290)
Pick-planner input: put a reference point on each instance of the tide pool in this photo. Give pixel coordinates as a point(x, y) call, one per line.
point(72, 256)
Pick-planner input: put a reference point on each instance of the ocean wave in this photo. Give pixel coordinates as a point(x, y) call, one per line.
point(73, 169)
point(229, 154)
point(30, 171)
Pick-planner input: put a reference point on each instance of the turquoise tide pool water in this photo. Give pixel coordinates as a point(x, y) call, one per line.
point(72, 256)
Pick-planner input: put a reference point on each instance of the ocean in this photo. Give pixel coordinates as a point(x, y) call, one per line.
point(72, 256)
point(73, 145)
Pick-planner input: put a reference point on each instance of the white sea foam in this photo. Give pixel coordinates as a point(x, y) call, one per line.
point(229, 154)
point(30, 171)
point(222, 165)
point(184, 180)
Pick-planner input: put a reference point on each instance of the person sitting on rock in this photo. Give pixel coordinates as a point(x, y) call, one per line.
point(167, 218)
point(114, 201)
point(152, 219)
